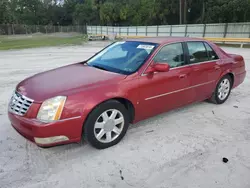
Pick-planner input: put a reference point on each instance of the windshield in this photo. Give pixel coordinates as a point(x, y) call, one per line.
point(124, 57)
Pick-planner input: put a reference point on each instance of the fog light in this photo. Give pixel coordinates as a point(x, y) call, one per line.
point(51, 140)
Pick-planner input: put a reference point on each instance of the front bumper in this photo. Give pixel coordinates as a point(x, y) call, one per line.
point(48, 134)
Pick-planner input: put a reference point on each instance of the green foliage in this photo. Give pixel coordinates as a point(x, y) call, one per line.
point(121, 12)
point(228, 11)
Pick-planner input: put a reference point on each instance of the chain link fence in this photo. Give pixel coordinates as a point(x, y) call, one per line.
point(17, 29)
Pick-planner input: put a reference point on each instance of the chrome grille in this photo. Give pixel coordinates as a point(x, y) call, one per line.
point(19, 104)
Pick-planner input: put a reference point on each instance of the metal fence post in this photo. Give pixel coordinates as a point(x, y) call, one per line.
point(249, 30)
point(127, 30)
point(171, 30)
point(8, 29)
point(13, 31)
point(136, 30)
point(96, 29)
point(26, 29)
point(107, 30)
point(157, 30)
point(225, 30)
point(146, 30)
point(101, 30)
point(204, 30)
point(186, 30)
point(120, 31)
point(85, 29)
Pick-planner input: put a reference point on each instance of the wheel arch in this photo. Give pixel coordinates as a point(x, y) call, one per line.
point(227, 72)
point(128, 105)
point(231, 76)
point(213, 97)
point(126, 102)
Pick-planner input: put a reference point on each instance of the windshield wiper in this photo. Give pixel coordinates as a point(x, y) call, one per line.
point(99, 67)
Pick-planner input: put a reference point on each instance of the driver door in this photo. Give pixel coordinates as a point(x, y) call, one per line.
point(163, 91)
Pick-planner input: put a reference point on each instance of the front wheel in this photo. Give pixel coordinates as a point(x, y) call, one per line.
point(107, 124)
point(222, 91)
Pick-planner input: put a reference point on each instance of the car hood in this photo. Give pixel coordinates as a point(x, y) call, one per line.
point(64, 80)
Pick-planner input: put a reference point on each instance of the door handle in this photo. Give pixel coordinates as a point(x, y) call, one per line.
point(196, 69)
point(183, 76)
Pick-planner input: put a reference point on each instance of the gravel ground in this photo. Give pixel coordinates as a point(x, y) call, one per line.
point(182, 148)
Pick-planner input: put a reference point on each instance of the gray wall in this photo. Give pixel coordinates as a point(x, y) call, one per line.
point(221, 30)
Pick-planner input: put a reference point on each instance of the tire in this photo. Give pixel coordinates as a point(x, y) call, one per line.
point(106, 125)
point(216, 97)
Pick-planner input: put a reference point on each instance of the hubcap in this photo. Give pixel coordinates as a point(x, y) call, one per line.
point(109, 126)
point(224, 89)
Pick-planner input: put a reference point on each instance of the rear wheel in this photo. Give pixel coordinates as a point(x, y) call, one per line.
point(107, 124)
point(222, 90)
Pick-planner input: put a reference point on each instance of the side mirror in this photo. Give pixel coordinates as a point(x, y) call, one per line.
point(158, 67)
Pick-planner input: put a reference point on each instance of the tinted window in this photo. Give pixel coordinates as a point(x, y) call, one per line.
point(172, 54)
point(211, 54)
point(197, 52)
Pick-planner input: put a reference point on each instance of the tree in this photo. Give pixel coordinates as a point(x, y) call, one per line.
point(227, 11)
point(86, 13)
point(4, 11)
point(122, 12)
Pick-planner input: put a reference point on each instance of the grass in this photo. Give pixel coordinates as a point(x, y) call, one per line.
point(7, 43)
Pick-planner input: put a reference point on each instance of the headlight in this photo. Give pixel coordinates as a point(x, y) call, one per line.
point(51, 109)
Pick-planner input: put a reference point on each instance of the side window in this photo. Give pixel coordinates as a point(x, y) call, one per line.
point(172, 54)
point(115, 54)
point(197, 52)
point(211, 53)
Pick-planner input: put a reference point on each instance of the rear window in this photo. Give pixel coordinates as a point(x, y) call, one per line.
point(211, 53)
point(197, 52)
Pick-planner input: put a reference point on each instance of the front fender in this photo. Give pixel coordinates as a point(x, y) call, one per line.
point(82, 103)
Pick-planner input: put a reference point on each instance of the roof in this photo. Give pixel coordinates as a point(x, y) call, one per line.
point(162, 40)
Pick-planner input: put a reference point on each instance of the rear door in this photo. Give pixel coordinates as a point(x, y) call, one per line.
point(205, 68)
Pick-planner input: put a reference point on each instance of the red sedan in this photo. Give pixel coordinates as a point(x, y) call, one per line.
point(124, 83)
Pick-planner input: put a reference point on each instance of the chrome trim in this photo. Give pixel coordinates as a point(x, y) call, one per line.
point(204, 62)
point(26, 98)
point(161, 95)
point(76, 117)
point(189, 65)
point(169, 69)
point(19, 104)
point(60, 120)
point(179, 67)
